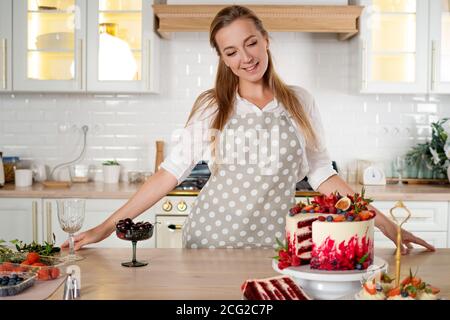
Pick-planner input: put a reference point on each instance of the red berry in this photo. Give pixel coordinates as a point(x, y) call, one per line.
point(282, 265)
point(283, 255)
point(295, 260)
point(321, 218)
point(43, 274)
point(32, 257)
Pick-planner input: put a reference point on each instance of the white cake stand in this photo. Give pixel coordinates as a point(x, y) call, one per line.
point(330, 285)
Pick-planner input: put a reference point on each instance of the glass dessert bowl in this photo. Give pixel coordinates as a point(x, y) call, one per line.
point(128, 230)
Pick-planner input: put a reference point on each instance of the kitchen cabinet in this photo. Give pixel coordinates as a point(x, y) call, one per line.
point(97, 210)
point(440, 46)
point(123, 50)
point(80, 45)
point(49, 45)
point(5, 44)
point(403, 46)
point(429, 221)
point(20, 218)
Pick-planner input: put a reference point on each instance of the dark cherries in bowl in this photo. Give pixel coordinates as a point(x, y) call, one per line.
point(128, 230)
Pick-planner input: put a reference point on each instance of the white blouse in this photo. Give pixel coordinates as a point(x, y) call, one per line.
point(191, 144)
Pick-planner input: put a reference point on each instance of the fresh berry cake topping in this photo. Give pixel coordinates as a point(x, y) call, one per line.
point(344, 208)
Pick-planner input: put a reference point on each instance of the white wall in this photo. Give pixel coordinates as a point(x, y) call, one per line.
point(41, 126)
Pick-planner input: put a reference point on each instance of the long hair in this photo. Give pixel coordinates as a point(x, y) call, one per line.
point(223, 95)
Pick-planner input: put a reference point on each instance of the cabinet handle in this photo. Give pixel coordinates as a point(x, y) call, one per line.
point(147, 74)
point(4, 52)
point(80, 63)
point(34, 219)
point(175, 226)
point(433, 65)
point(364, 64)
point(48, 212)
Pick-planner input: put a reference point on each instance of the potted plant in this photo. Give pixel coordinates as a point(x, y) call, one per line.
point(432, 156)
point(111, 171)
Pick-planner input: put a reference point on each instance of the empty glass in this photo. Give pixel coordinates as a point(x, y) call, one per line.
point(399, 166)
point(71, 218)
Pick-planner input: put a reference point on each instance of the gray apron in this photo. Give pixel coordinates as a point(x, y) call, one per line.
point(244, 204)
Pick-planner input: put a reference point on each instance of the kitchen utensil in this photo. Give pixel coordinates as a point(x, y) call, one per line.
point(399, 205)
point(109, 28)
point(56, 184)
point(56, 41)
point(79, 173)
point(71, 217)
point(159, 154)
point(23, 177)
point(399, 166)
point(39, 172)
point(135, 177)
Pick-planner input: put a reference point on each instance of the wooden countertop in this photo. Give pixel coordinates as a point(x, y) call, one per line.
point(98, 190)
point(211, 274)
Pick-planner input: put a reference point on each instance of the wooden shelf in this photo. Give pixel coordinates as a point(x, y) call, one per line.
point(417, 181)
point(342, 20)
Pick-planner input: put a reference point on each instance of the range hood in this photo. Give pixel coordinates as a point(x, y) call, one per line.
point(342, 20)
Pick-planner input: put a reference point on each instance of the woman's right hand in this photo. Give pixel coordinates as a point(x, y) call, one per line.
point(93, 235)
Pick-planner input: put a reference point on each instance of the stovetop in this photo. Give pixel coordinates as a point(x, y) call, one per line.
point(200, 175)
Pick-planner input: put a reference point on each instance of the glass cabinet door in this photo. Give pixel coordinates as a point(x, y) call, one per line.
point(121, 43)
point(5, 44)
point(440, 46)
point(49, 45)
point(394, 52)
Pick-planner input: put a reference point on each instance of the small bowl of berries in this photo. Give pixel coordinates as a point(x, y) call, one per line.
point(128, 230)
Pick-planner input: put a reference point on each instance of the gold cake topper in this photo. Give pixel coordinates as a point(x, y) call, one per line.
point(399, 205)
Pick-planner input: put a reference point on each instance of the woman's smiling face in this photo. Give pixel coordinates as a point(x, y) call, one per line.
point(243, 49)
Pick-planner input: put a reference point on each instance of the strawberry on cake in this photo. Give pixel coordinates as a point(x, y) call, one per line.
point(330, 233)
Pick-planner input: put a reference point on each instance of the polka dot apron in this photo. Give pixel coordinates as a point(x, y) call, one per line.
point(243, 205)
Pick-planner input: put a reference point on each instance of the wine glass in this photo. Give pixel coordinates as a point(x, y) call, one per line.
point(399, 166)
point(71, 218)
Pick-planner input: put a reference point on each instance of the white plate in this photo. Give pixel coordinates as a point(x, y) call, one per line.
point(322, 284)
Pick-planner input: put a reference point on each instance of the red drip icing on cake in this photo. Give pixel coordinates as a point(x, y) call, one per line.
point(276, 288)
point(343, 256)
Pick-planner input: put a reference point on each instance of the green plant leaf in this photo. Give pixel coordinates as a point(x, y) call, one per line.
point(363, 258)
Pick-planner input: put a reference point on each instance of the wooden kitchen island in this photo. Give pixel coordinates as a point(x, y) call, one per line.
point(211, 274)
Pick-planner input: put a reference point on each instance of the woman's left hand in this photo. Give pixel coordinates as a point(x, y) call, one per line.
point(408, 238)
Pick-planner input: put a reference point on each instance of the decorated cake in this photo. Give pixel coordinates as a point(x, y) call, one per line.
point(331, 232)
point(275, 288)
point(382, 287)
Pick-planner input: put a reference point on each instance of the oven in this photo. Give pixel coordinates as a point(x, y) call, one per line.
point(171, 212)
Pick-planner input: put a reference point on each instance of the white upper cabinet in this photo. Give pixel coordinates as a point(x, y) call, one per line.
point(440, 46)
point(49, 45)
point(122, 47)
point(80, 45)
point(5, 44)
point(393, 46)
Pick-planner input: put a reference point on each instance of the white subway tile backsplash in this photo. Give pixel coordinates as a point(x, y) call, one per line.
point(46, 127)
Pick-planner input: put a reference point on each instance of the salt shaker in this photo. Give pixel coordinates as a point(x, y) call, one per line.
point(73, 283)
point(68, 288)
point(75, 288)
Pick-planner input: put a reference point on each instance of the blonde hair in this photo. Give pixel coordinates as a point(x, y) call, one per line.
point(223, 95)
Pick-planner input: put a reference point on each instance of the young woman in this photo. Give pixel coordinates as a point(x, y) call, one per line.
point(250, 190)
